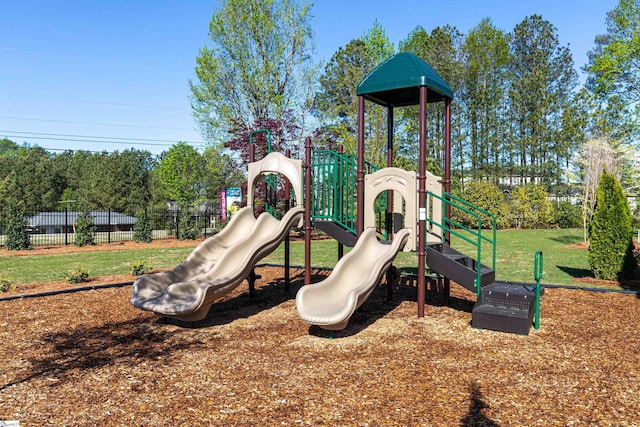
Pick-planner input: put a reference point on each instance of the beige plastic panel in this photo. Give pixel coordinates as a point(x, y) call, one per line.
point(279, 164)
point(433, 206)
point(403, 184)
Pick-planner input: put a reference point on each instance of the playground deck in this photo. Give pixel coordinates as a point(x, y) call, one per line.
point(90, 358)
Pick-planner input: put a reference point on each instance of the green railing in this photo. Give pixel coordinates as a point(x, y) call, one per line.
point(473, 236)
point(537, 276)
point(333, 189)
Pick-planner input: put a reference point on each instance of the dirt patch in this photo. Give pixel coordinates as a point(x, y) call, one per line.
point(115, 246)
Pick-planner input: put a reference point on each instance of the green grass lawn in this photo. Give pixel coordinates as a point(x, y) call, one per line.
point(46, 268)
point(515, 254)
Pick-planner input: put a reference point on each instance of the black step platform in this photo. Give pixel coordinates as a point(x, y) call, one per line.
point(505, 307)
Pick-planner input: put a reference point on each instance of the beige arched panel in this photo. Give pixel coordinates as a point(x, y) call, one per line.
point(433, 206)
point(403, 184)
point(275, 163)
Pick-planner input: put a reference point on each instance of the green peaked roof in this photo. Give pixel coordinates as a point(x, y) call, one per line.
point(396, 82)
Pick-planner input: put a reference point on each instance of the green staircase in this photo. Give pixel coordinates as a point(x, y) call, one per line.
point(499, 306)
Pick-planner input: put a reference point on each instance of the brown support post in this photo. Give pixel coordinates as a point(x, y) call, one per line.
point(307, 211)
point(447, 184)
point(287, 206)
point(360, 171)
point(389, 216)
point(421, 205)
point(389, 220)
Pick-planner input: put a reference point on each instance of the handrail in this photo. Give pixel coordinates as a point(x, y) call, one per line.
point(537, 275)
point(268, 132)
point(448, 225)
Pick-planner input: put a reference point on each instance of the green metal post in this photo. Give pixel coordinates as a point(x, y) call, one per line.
point(537, 275)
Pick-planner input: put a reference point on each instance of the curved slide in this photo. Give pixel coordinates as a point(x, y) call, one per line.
point(330, 303)
point(215, 267)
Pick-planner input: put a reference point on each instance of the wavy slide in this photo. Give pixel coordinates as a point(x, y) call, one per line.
point(330, 303)
point(215, 267)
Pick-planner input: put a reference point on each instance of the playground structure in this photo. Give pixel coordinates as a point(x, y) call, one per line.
point(417, 218)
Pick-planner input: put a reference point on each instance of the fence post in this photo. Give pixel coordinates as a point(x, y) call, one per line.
point(177, 224)
point(109, 225)
point(66, 224)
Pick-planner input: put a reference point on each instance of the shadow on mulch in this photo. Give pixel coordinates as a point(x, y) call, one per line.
point(241, 305)
point(378, 306)
point(94, 347)
point(475, 416)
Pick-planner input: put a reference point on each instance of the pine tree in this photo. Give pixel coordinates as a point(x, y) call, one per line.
point(610, 243)
point(84, 229)
point(142, 228)
point(17, 235)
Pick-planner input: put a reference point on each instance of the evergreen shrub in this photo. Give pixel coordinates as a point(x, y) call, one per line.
point(610, 252)
point(567, 215)
point(142, 227)
point(16, 233)
point(84, 229)
point(487, 196)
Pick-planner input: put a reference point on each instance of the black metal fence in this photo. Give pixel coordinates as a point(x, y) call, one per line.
point(59, 228)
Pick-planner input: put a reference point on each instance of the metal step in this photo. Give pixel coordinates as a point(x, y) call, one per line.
point(505, 307)
point(502, 319)
point(454, 265)
point(508, 295)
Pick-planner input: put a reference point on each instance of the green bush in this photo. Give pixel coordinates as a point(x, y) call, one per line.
point(188, 229)
point(84, 229)
point(487, 196)
point(6, 284)
point(531, 207)
point(77, 276)
point(16, 233)
point(567, 215)
point(142, 227)
point(610, 252)
point(141, 267)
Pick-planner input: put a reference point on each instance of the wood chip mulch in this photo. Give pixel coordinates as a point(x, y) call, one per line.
point(90, 358)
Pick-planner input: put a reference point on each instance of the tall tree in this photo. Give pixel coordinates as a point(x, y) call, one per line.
point(542, 77)
point(441, 50)
point(483, 96)
point(181, 171)
point(258, 65)
point(614, 63)
point(336, 101)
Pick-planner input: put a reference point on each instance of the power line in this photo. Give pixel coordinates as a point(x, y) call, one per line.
point(93, 123)
point(53, 136)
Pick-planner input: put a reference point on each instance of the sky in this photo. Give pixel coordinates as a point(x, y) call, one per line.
point(111, 75)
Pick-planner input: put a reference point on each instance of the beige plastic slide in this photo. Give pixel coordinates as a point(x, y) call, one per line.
point(215, 267)
point(330, 303)
point(220, 263)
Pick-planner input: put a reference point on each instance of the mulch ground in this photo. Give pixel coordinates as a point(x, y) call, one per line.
point(90, 358)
